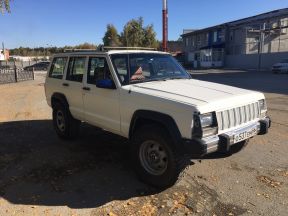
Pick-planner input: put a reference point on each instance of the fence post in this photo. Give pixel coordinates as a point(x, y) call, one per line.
point(15, 73)
point(33, 73)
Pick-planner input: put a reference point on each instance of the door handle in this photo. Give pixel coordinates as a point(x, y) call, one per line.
point(86, 88)
point(65, 84)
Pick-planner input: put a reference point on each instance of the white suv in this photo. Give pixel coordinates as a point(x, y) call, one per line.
point(148, 98)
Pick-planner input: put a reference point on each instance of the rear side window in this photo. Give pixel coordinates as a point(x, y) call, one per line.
point(76, 69)
point(58, 67)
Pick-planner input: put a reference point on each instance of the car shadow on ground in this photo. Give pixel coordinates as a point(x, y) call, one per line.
point(264, 81)
point(37, 168)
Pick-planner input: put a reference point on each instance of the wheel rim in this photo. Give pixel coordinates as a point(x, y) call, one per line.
point(60, 120)
point(153, 157)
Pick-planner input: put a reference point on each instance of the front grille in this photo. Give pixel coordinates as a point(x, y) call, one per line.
point(237, 116)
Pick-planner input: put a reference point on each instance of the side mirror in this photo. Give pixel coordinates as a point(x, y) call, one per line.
point(106, 84)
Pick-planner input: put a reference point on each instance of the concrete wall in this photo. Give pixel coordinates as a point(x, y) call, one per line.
point(251, 61)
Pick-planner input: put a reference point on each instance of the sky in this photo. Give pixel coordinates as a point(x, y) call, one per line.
point(35, 23)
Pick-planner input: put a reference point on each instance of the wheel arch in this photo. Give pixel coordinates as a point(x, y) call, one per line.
point(141, 117)
point(59, 98)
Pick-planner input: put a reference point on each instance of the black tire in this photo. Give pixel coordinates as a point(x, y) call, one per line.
point(175, 161)
point(70, 127)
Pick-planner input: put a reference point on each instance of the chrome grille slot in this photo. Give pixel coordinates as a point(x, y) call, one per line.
point(237, 116)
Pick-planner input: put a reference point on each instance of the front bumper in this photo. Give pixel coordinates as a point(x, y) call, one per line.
point(223, 142)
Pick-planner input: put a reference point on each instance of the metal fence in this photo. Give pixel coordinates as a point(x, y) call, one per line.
point(15, 75)
point(18, 64)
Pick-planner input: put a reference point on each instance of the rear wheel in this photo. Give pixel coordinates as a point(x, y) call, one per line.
point(157, 161)
point(65, 125)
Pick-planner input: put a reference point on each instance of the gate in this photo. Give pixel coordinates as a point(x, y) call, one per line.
point(15, 75)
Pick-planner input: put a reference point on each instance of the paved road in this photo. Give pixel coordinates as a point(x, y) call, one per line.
point(42, 175)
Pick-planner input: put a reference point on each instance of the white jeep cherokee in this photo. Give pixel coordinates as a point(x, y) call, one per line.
point(147, 97)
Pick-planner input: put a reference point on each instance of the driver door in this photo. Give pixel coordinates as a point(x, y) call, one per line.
point(101, 106)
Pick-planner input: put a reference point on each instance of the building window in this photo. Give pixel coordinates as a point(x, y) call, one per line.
point(215, 36)
point(198, 40)
point(221, 35)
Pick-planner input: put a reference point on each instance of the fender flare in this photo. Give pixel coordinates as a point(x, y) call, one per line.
point(165, 120)
point(59, 97)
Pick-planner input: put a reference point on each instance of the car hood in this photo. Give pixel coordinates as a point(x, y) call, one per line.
point(201, 94)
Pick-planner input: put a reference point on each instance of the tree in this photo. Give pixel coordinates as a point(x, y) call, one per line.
point(111, 37)
point(5, 5)
point(133, 33)
point(150, 37)
point(136, 35)
point(85, 46)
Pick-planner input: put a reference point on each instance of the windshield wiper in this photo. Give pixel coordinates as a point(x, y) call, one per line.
point(157, 79)
point(146, 80)
point(174, 78)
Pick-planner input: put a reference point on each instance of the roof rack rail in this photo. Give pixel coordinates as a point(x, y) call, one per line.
point(80, 50)
point(106, 48)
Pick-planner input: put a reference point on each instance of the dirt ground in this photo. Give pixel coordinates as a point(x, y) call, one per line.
point(42, 175)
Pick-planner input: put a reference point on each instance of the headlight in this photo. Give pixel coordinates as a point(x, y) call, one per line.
point(206, 120)
point(204, 125)
point(262, 105)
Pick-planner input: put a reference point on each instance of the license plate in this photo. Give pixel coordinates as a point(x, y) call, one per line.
point(245, 135)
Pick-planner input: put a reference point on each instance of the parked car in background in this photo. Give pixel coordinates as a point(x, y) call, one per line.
point(281, 67)
point(38, 66)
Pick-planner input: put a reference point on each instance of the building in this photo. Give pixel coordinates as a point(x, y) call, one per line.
point(4, 55)
point(254, 42)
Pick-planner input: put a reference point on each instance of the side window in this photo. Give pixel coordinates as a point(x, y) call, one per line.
point(58, 67)
point(97, 70)
point(120, 63)
point(76, 69)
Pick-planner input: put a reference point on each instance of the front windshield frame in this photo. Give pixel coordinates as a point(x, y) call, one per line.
point(126, 71)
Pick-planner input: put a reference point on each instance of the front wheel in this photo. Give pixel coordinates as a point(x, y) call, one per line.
point(157, 161)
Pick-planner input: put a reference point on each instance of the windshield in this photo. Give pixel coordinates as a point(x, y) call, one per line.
point(136, 68)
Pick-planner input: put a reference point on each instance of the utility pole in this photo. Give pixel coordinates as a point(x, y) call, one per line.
point(165, 26)
point(261, 44)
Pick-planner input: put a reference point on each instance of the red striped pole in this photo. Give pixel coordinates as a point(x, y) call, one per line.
point(165, 26)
